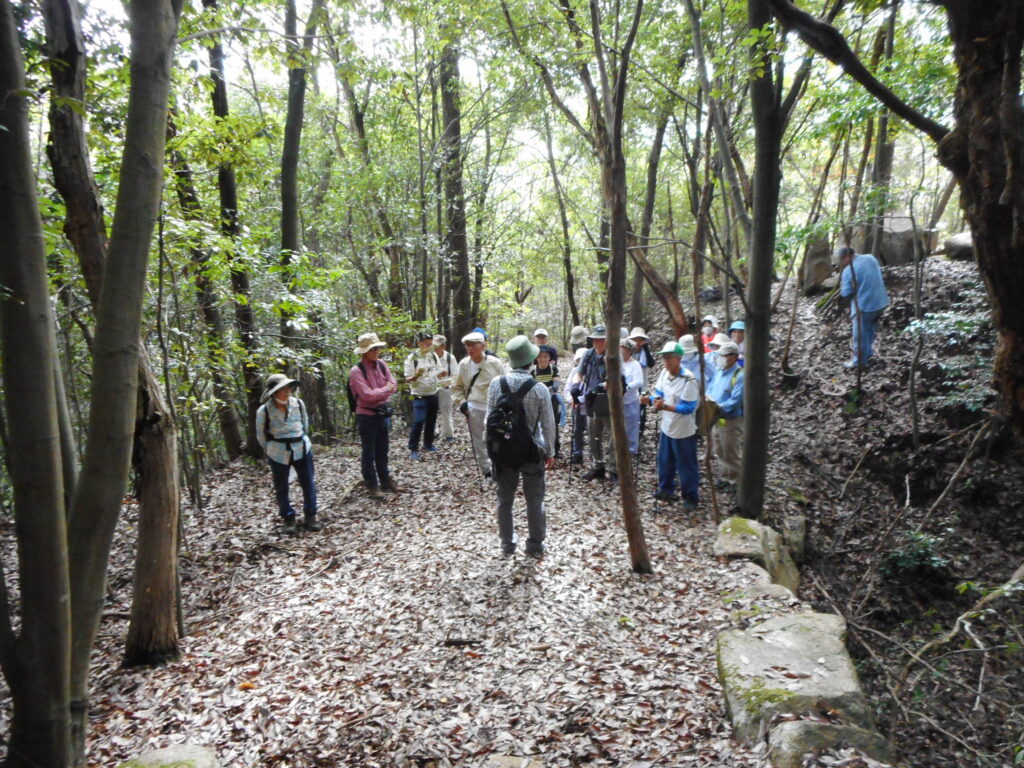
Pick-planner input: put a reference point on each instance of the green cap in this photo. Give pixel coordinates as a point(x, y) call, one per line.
point(521, 352)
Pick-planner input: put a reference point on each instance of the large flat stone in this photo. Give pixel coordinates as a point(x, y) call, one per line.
point(739, 537)
point(790, 664)
point(790, 741)
point(178, 756)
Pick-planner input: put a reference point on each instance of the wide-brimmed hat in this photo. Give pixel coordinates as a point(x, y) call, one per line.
point(578, 355)
point(597, 333)
point(521, 352)
point(541, 332)
point(719, 339)
point(276, 381)
point(671, 348)
point(638, 333)
point(578, 335)
point(627, 343)
point(440, 340)
point(729, 348)
point(710, 319)
point(687, 344)
point(475, 336)
point(366, 342)
point(738, 325)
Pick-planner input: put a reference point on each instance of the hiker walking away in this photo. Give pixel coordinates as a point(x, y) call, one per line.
point(636, 382)
point(676, 394)
point(421, 369)
point(372, 386)
point(861, 280)
point(593, 376)
point(520, 442)
point(282, 431)
point(573, 386)
point(726, 392)
point(476, 370)
point(545, 371)
point(448, 366)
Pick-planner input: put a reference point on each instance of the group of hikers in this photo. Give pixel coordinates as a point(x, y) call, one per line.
point(513, 411)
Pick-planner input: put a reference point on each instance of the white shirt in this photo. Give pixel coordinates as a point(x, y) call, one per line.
point(676, 389)
point(636, 379)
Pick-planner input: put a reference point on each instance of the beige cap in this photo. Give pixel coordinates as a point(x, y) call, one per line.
point(366, 342)
point(638, 333)
point(474, 336)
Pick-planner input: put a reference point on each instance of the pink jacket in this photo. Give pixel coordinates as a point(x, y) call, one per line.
point(372, 388)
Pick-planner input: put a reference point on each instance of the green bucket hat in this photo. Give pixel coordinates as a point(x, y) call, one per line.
point(521, 352)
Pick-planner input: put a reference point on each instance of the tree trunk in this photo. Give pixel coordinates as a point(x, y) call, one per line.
point(455, 245)
point(36, 661)
point(153, 629)
point(245, 318)
point(209, 307)
point(570, 279)
point(86, 231)
point(768, 121)
point(97, 502)
point(636, 308)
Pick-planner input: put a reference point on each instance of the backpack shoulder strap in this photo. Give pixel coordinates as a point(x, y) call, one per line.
point(524, 389)
point(503, 383)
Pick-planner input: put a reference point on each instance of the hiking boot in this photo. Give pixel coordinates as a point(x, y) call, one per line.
point(310, 523)
point(388, 486)
point(689, 504)
point(613, 478)
point(374, 493)
point(290, 526)
point(414, 455)
point(664, 496)
point(597, 473)
point(430, 449)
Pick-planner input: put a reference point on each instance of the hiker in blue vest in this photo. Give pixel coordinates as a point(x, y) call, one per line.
point(282, 431)
point(861, 281)
point(534, 427)
point(726, 392)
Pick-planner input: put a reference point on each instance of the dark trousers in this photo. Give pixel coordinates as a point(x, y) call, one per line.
point(579, 432)
point(424, 421)
point(678, 456)
point(304, 469)
point(373, 434)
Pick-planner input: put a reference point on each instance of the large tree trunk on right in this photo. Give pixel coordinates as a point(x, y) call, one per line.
point(97, 502)
point(455, 246)
point(36, 661)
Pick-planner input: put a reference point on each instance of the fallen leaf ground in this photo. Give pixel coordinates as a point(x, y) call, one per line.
point(399, 635)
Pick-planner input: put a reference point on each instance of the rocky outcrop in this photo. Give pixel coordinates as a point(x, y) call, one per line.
point(789, 742)
point(739, 537)
point(960, 247)
point(816, 268)
point(179, 756)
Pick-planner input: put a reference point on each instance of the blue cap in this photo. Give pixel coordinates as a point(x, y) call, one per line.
point(481, 331)
point(737, 326)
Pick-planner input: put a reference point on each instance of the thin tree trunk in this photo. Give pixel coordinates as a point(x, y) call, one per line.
point(570, 279)
point(36, 661)
point(455, 247)
point(768, 122)
point(86, 230)
point(245, 318)
point(636, 310)
point(97, 503)
point(881, 171)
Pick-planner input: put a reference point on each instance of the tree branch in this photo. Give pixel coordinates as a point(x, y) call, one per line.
point(827, 40)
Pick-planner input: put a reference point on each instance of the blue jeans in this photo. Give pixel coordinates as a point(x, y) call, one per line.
point(867, 322)
point(424, 414)
point(304, 469)
point(678, 456)
point(373, 434)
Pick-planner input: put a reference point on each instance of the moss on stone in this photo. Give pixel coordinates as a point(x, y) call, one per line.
point(757, 695)
point(740, 526)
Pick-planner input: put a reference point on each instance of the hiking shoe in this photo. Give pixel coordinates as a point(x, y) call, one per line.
point(665, 496)
point(850, 364)
point(577, 458)
point(430, 449)
point(597, 473)
point(689, 504)
point(374, 493)
point(290, 526)
point(310, 523)
point(613, 478)
point(388, 486)
point(414, 455)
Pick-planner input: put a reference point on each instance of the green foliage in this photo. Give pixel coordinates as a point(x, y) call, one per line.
point(916, 556)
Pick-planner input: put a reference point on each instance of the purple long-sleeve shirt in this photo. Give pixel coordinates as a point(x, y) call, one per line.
point(370, 385)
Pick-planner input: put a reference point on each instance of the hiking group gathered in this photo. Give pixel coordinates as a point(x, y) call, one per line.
point(514, 411)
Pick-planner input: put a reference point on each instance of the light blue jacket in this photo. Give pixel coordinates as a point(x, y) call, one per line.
point(726, 389)
point(871, 295)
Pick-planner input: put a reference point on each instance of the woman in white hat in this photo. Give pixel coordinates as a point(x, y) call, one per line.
point(281, 429)
point(636, 381)
point(373, 384)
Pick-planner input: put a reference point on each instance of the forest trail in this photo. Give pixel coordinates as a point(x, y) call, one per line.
point(400, 636)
